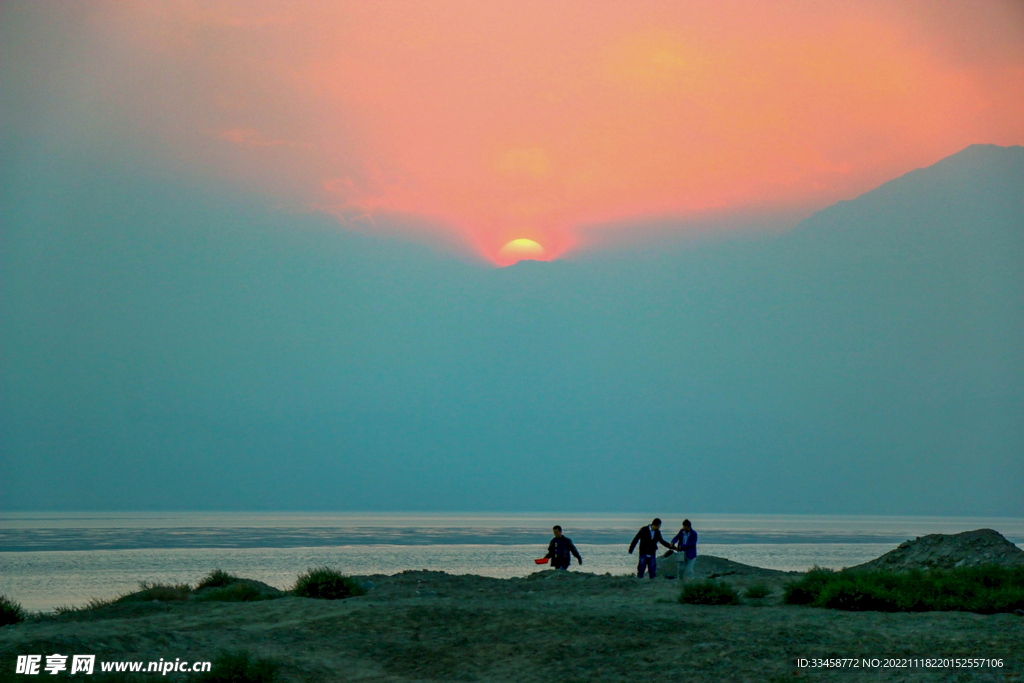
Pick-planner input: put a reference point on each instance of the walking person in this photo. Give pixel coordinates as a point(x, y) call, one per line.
point(648, 537)
point(686, 543)
point(561, 550)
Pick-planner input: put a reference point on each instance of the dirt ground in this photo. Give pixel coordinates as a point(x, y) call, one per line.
point(557, 626)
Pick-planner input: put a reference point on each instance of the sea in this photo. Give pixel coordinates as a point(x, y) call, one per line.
point(54, 559)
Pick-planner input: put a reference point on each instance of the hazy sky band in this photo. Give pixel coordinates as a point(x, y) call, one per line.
point(477, 123)
point(215, 291)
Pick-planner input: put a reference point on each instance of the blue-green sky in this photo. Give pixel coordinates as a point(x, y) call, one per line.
point(166, 345)
point(179, 333)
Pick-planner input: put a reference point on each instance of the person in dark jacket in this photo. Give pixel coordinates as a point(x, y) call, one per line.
point(561, 550)
point(648, 537)
point(686, 543)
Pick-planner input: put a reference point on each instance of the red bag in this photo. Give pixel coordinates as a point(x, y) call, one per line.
point(542, 560)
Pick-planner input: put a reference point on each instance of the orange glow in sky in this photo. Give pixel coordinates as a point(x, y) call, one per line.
point(519, 250)
point(484, 122)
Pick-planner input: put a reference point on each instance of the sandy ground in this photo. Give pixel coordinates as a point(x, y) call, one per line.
point(558, 626)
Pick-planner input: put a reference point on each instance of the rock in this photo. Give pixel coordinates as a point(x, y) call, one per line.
point(710, 567)
point(948, 551)
point(668, 565)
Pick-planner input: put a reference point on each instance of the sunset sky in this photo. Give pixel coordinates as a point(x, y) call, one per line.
point(470, 124)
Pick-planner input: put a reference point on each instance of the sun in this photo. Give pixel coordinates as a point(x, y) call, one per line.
point(519, 250)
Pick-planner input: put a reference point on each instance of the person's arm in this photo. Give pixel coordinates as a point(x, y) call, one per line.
point(677, 541)
point(636, 539)
point(572, 549)
point(661, 539)
point(551, 549)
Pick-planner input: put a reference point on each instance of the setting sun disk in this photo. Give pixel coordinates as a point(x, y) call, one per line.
point(519, 250)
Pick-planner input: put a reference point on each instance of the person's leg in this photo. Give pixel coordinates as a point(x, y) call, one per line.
point(641, 566)
point(652, 568)
point(688, 570)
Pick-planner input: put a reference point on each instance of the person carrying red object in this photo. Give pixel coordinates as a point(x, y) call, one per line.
point(561, 550)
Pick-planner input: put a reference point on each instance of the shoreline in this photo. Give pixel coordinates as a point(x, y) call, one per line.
point(44, 580)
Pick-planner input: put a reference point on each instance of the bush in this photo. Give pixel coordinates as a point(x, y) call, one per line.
point(805, 591)
point(325, 583)
point(10, 611)
point(240, 667)
point(161, 592)
point(853, 595)
point(985, 590)
point(216, 579)
point(94, 603)
point(757, 591)
point(709, 593)
point(236, 592)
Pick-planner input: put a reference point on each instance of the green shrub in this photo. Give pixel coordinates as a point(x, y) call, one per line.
point(216, 579)
point(985, 590)
point(853, 595)
point(709, 593)
point(236, 592)
point(10, 611)
point(240, 667)
point(326, 584)
point(94, 603)
point(757, 591)
point(161, 592)
point(805, 591)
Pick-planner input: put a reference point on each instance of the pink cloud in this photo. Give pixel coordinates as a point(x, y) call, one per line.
point(528, 119)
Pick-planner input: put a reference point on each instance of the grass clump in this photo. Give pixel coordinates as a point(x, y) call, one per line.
point(216, 579)
point(325, 583)
point(709, 593)
point(220, 586)
point(11, 612)
point(235, 592)
point(806, 590)
point(985, 590)
point(757, 591)
point(161, 592)
point(239, 667)
point(94, 603)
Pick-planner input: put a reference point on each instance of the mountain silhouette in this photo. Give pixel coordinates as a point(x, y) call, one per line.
point(927, 270)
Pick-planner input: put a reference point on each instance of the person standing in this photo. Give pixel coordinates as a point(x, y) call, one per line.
point(686, 543)
point(561, 550)
point(648, 537)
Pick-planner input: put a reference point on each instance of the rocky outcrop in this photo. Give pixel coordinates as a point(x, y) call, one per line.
point(947, 551)
point(710, 567)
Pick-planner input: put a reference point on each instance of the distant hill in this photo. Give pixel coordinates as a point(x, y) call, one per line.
point(927, 271)
point(948, 551)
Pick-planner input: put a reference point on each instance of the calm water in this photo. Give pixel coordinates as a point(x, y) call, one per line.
point(61, 559)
